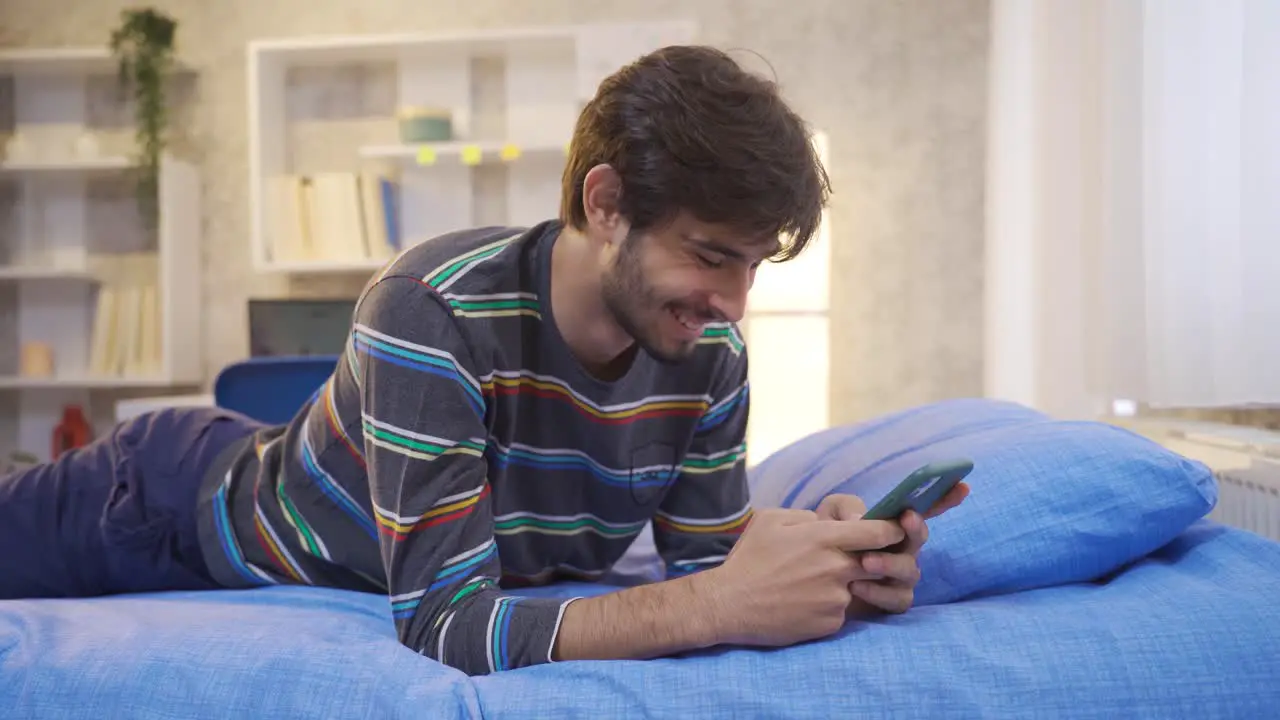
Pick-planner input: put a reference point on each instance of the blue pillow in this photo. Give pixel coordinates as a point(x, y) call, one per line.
point(1052, 502)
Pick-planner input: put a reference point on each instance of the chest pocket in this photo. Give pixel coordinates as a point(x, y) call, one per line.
point(654, 467)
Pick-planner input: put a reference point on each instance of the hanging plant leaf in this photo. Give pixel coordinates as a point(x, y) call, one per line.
point(143, 45)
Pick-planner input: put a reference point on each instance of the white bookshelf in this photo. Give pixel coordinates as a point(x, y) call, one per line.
point(73, 248)
point(326, 107)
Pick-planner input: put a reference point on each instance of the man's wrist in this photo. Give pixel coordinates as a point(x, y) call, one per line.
point(693, 612)
point(711, 604)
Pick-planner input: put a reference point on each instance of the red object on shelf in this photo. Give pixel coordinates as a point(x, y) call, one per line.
point(73, 432)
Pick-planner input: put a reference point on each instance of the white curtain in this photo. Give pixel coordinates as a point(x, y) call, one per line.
point(1134, 203)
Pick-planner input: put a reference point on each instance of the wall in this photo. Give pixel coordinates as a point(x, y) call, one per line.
point(899, 86)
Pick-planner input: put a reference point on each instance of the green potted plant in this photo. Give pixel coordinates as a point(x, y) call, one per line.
point(143, 44)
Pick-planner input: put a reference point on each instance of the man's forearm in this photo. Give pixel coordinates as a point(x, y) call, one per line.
point(644, 622)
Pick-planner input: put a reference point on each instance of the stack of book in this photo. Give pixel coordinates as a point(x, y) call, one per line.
point(333, 217)
point(126, 325)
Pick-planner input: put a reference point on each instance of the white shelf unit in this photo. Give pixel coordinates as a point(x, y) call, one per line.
point(76, 257)
point(326, 107)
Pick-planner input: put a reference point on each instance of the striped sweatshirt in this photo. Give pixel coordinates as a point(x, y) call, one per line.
point(459, 451)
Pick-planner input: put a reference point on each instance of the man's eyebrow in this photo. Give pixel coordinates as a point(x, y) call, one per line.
point(716, 247)
point(729, 252)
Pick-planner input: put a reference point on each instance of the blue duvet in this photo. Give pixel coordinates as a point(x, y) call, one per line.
point(1079, 580)
point(1192, 629)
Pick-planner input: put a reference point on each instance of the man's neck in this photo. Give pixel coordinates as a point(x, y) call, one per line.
point(578, 306)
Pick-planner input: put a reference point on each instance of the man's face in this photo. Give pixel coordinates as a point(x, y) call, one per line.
point(663, 286)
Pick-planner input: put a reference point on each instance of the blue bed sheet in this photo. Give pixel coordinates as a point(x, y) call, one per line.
point(1193, 628)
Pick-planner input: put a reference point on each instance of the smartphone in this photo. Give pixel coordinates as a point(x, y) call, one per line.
point(921, 490)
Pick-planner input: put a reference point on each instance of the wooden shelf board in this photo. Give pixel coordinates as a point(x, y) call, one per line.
point(68, 165)
point(87, 382)
point(489, 150)
point(78, 60)
point(38, 273)
point(355, 49)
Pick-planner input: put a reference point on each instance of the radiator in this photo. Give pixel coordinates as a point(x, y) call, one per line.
point(1246, 462)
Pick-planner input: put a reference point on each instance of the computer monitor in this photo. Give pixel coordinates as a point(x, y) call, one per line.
point(288, 327)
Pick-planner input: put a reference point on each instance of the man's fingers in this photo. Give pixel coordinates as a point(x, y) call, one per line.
point(917, 533)
point(889, 598)
point(892, 568)
point(858, 535)
point(841, 507)
point(952, 499)
point(784, 516)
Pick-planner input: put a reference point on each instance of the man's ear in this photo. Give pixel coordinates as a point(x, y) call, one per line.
point(601, 195)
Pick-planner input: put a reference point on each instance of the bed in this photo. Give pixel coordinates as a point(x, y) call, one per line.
point(1081, 580)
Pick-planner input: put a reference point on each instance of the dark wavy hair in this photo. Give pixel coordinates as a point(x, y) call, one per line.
point(688, 129)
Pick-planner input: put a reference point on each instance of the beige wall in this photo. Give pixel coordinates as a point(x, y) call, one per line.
point(899, 85)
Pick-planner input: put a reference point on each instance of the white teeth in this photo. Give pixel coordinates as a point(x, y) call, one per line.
point(685, 321)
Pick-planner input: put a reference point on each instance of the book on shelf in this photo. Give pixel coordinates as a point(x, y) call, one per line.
point(334, 217)
point(125, 339)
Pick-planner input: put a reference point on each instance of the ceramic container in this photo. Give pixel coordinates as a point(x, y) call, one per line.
point(420, 125)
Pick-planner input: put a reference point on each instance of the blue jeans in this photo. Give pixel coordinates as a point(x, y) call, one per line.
point(118, 515)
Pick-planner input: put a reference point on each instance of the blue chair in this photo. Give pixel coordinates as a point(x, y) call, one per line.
point(271, 389)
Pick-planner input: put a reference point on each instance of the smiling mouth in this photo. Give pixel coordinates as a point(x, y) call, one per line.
point(687, 320)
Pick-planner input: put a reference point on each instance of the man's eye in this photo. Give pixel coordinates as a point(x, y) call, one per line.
point(708, 261)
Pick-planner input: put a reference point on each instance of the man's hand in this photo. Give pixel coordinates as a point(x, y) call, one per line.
point(794, 575)
point(788, 578)
point(888, 579)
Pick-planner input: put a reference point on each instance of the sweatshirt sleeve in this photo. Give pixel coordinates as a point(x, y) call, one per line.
point(424, 405)
point(709, 504)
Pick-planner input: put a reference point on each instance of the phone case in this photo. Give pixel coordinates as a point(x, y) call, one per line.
point(921, 490)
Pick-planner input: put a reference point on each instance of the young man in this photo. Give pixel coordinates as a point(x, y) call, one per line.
point(513, 406)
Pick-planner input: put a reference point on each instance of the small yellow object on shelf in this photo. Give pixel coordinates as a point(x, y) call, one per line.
point(471, 155)
point(510, 152)
point(426, 156)
point(36, 360)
